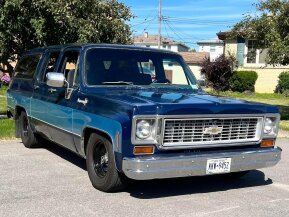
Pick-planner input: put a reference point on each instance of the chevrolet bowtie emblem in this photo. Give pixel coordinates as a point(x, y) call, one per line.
point(213, 130)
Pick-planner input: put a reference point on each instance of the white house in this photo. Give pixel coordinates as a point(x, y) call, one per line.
point(147, 40)
point(214, 47)
point(250, 58)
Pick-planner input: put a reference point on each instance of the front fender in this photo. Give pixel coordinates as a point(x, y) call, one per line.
point(110, 127)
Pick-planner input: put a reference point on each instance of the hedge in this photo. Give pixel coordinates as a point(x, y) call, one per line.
point(283, 83)
point(243, 81)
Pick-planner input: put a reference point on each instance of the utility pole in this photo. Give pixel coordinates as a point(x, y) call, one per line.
point(160, 24)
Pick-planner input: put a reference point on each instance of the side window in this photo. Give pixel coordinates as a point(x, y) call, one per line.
point(27, 66)
point(147, 67)
point(51, 64)
point(69, 67)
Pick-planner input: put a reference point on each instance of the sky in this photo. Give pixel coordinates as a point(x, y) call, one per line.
point(188, 21)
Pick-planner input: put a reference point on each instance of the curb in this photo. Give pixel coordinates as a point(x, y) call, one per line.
point(283, 134)
point(3, 117)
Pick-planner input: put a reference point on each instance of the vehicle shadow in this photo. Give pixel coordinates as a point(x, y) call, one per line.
point(193, 185)
point(173, 187)
point(65, 154)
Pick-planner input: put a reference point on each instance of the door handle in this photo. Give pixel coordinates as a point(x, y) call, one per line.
point(51, 90)
point(84, 102)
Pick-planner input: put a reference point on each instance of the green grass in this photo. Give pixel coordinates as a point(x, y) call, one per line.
point(284, 125)
point(7, 129)
point(269, 98)
point(3, 100)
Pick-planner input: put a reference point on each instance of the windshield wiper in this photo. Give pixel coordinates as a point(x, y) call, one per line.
point(118, 83)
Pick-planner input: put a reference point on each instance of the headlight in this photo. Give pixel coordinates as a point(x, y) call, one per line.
point(145, 130)
point(271, 126)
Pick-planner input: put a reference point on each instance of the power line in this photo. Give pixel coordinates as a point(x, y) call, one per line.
point(148, 25)
point(172, 29)
point(145, 21)
point(200, 21)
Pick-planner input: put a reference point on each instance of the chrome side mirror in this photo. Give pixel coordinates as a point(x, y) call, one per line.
point(55, 79)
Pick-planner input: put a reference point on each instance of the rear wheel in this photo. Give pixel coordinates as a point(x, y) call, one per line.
point(101, 164)
point(28, 138)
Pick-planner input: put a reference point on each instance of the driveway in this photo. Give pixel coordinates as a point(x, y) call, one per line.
point(53, 182)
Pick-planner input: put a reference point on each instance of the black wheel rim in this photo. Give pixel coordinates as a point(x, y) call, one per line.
point(25, 126)
point(100, 160)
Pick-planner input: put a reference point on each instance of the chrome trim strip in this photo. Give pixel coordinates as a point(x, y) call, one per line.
point(194, 164)
point(55, 126)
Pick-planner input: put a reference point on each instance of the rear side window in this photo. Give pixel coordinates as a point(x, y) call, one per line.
point(27, 66)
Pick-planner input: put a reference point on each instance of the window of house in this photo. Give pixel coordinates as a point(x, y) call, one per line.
point(213, 49)
point(252, 51)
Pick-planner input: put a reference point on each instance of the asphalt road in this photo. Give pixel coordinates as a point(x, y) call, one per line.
point(53, 182)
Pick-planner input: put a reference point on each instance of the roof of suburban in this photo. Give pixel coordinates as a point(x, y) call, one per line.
point(194, 57)
point(111, 46)
point(153, 39)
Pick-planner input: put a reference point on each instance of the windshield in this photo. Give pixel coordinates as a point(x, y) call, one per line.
point(134, 67)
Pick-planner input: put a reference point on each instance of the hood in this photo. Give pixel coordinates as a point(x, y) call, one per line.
point(179, 102)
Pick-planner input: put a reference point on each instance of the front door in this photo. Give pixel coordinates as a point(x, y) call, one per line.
point(60, 111)
point(39, 106)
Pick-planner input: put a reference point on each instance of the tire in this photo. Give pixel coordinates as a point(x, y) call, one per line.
point(100, 165)
point(28, 137)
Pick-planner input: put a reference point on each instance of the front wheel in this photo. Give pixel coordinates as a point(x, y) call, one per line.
point(100, 165)
point(27, 135)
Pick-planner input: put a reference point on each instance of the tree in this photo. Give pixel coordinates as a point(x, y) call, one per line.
point(219, 72)
point(270, 28)
point(26, 24)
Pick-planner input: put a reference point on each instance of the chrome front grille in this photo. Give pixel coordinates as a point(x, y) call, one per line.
point(211, 131)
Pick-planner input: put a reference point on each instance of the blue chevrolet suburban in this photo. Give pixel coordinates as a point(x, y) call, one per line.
point(136, 113)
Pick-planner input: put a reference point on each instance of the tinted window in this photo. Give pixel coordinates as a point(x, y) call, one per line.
point(51, 63)
point(69, 67)
point(120, 67)
point(27, 66)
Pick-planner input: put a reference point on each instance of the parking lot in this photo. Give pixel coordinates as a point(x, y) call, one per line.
point(53, 182)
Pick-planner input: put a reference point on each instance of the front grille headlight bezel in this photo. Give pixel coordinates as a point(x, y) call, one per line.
point(152, 124)
point(271, 126)
point(157, 128)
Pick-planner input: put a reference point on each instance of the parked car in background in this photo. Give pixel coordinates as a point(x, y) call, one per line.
point(99, 102)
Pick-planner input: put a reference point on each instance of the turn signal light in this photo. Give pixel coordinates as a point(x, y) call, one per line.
point(139, 150)
point(267, 143)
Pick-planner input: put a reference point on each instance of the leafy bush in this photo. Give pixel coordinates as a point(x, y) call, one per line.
point(218, 73)
point(243, 81)
point(283, 83)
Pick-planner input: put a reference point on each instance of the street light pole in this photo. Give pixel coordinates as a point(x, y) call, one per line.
point(160, 24)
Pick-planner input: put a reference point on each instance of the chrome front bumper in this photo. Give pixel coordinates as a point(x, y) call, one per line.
point(194, 164)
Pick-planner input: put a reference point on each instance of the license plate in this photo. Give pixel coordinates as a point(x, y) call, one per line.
point(217, 166)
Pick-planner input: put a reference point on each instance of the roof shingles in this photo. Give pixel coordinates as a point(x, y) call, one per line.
point(194, 57)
